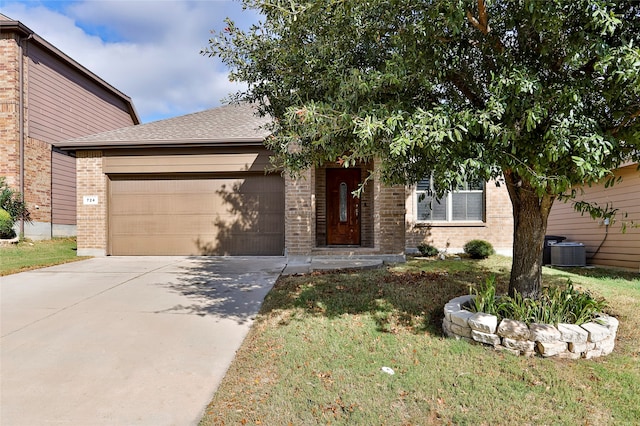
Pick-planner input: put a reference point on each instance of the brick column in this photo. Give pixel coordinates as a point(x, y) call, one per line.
point(92, 218)
point(9, 110)
point(389, 216)
point(300, 220)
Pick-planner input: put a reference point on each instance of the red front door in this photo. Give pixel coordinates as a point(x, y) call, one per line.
point(343, 209)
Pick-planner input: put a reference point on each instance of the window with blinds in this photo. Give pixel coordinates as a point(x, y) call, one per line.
point(466, 203)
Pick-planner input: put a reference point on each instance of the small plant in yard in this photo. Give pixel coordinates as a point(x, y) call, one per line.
point(479, 249)
point(6, 224)
point(427, 250)
point(555, 305)
point(11, 202)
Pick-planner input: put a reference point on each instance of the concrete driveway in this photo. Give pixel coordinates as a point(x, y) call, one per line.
point(124, 340)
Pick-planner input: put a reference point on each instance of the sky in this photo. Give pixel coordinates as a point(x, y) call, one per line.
point(147, 49)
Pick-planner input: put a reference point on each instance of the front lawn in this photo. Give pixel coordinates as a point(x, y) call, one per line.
point(28, 255)
point(316, 352)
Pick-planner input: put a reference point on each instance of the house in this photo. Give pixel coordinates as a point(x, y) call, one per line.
point(201, 184)
point(46, 97)
point(606, 244)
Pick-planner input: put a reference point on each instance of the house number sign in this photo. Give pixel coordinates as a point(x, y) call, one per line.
point(89, 199)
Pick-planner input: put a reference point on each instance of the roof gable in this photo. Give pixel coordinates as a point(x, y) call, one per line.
point(8, 25)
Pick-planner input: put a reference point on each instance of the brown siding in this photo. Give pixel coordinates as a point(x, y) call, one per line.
point(63, 189)
point(619, 249)
point(64, 104)
point(159, 161)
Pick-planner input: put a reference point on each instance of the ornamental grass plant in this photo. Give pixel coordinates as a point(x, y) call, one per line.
point(556, 304)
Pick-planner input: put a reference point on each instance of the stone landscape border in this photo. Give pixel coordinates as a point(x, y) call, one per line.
point(568, 341)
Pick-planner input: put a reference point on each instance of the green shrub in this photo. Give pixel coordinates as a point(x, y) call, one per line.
point(479, 249)
point(6, 224)
point(555, 305)
point(11, 201)
point(427, 249)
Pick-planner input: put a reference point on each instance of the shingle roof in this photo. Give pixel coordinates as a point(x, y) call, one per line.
point(229, 124)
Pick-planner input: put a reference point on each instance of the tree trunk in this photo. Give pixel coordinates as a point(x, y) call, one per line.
point(530, 213)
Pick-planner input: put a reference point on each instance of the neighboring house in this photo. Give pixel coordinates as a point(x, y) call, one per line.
point(46, 97)
point(605, 245)
point(196, 185)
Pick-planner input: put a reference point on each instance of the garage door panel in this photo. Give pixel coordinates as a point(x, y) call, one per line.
point(179, 204)
point(176, 215)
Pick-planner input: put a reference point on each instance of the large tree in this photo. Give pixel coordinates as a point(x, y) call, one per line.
point(542, 95)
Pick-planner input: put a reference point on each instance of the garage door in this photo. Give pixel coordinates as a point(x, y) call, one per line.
point(196, 215)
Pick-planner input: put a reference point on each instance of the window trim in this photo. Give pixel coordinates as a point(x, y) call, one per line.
point(449, 207)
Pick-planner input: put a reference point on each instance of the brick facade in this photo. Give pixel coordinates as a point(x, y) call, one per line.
point(497, 228)
point(389, 217)
point(9, 110)
point(386, 232)
point(92, 218)
point(37, 179)
point(299, 205)
point(382, 225)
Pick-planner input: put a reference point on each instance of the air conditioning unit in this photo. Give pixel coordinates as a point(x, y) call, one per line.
point(568, 254)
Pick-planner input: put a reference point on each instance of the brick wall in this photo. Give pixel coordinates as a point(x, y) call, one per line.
point(497, 228)
point(300, 226)
point(92, 219)
point(37, 179)
point(389, 216)
point(9, 108)
point(383, 212)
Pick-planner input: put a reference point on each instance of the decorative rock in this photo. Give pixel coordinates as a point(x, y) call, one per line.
point(547, 349)
point(577, 348)
point(461, 300)
point(513, 329)
point(593, 353)
point(545, 333)
point(610, 322)
point(484, 322)
point(569, 355)
point(572, 333)
point(461, 318)
point(606, 345)
point(597, 332)
point(449, 308)
point(461, 331)
point(488, 338)
point(566, 341)
point(519, 345)
point(446, 327)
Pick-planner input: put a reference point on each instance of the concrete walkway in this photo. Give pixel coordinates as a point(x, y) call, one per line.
point(124, 340)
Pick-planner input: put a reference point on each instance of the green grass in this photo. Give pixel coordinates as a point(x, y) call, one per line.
point(315, 353)
point(28, 255)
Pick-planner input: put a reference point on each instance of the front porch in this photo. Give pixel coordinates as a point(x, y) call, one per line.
point(323, 219)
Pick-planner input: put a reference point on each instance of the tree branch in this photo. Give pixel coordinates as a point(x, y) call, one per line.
point(482, 24)
point(460, 83)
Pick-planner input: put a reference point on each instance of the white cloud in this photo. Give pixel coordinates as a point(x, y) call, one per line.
point(150, 50)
